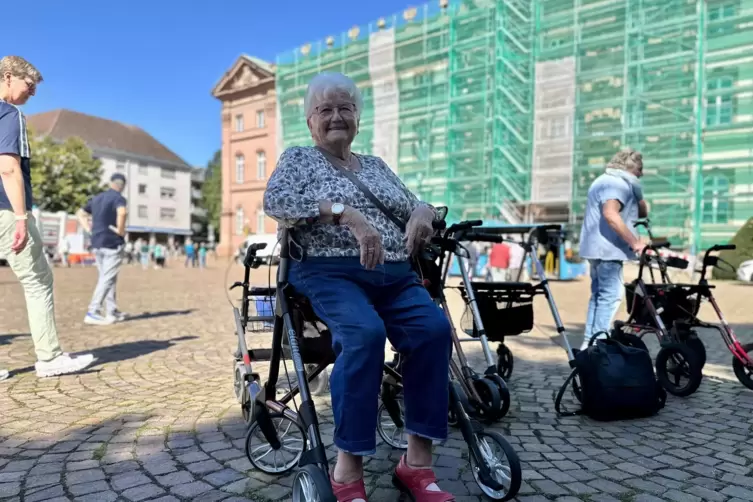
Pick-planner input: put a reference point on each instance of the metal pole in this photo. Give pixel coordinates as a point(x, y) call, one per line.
point(700, 117)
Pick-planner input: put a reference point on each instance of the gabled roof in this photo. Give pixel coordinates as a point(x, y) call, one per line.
point(103, 135)
point(246, 72)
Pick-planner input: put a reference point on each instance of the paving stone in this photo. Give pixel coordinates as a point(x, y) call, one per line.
point(142, 492)
point(128, 480)
point(86, 476)
point(108, 496)
point(190, 489)
point(84, 488)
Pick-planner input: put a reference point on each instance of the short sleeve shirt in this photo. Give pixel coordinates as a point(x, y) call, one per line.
point(598, 241)
point(104, 211)
point(14, 140)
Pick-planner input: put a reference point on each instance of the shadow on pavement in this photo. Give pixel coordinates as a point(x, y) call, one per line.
point(6, 339)
point(154, 315)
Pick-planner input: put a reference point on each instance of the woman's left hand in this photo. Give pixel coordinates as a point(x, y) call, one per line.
point(419, 229)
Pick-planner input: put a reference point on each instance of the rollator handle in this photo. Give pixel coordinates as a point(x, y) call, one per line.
point(464, 225)
point(483, 237)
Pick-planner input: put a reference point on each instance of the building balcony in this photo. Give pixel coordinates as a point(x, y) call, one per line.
point(196, 194)
point(198, 175)
point(198, 212)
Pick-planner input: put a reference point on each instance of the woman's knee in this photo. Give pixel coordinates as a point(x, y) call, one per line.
point(438, 331)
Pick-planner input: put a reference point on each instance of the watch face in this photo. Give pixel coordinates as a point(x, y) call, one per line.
point(337, 208)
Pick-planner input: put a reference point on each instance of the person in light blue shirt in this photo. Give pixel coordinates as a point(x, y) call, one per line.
point(608, 238)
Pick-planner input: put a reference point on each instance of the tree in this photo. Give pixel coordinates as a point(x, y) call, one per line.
point(64, 174)
point(211, 192)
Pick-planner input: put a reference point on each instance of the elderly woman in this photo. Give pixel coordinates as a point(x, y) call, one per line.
point(355, 271)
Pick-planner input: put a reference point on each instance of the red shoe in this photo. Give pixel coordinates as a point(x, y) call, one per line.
point(413, 483)
point(348, 492)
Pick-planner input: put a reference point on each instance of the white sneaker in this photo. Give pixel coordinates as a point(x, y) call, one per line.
point(118, 316)
point(97, 319)
point(63, 364)
point(4, 374)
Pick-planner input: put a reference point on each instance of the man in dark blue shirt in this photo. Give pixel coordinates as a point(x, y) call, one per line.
point(20, 241)
point(108, 213)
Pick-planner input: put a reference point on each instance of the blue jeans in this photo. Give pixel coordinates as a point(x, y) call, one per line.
point(362, 308)
point(606, 296)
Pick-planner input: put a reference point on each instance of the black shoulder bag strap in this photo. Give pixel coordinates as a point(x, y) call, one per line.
point(363, 188)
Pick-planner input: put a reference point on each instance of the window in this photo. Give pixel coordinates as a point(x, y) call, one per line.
point(120, 166)
point(720, 13)
point(168, 172)
point(716, 199)
point(143, 213)
point(142, 189)
point(167, 193)
point(260, 221)
point(240, 168)
point(239, 221)
point(167, 213)
point(239, 123)
point(143, 169)
point(261, 165)
point(718, 106)
point(260, 119)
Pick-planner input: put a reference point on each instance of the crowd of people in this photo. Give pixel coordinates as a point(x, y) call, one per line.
point(157, 254)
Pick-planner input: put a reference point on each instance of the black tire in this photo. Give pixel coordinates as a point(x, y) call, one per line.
point(505, 361)
point(489, 441)
point(312, 484)
point(675, 361)
point(699, 349)
point(745, 375)
point(491, 402)
point(504, 394)
point(255, 432)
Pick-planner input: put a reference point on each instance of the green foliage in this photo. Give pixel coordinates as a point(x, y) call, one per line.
point(743, 239)
point(63, 175)
point(211, 196)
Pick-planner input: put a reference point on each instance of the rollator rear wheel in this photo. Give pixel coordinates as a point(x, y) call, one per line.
point(264, 457)
point(677, 369)
point(491, 402)
point(311, 484)
point(743, 373)
point(503, 463)
point(504, 395)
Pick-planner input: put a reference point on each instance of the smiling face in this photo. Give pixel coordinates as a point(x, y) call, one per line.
point(334, 120)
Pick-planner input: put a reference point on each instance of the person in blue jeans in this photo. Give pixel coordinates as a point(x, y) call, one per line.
point(190, 250)
point(104, 216)
point(608, 237)
point(357, 275)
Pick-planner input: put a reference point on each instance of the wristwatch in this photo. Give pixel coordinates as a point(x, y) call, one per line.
point(337, 212)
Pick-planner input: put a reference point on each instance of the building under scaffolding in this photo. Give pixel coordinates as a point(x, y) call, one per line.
point(509, 109)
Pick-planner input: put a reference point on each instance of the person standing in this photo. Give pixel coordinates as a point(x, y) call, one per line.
point(499, 261)
point(20, 240)
point(202, 255)
point(63, 250)
point(190, 252)
point(608, 238)
point(104, 216)
point(517, 262)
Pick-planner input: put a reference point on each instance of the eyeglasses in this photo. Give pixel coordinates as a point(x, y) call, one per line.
point(29, 83)
point(327, 111)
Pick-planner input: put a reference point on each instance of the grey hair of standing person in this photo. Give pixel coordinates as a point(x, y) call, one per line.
point(626, 160)
point(324, 85)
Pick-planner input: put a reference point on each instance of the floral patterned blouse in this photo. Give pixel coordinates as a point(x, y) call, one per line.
point(304, 177)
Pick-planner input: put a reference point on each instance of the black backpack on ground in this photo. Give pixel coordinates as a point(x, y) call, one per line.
point(613, 382)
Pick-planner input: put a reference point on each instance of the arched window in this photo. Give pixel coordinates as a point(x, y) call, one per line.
point(716, 195)
point(240, 219)
point(240, 168)
point(261, 165)
point(260, 219)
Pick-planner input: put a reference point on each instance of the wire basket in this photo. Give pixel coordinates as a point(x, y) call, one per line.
point(506, 309)
point(261, 314)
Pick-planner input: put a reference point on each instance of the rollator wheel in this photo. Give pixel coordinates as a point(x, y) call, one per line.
point(690, 338)
point(677, 369)
point(742, 372)
point(491, 402)
point(504, 394)
point(388, 430)
point(319, 386)
point(503, 463)
point(311, 484)
point(452, 416)
point(504, 361)
point(264, 457)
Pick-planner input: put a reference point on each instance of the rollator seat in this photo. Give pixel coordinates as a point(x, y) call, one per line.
point(314, 338)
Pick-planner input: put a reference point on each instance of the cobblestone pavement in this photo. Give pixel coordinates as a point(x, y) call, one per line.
point(155, 418)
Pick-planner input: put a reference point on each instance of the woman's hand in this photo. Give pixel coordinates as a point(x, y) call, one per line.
point(369, 240)
point(419, 229)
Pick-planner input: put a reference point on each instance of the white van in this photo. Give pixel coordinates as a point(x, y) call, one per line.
point(271, 253)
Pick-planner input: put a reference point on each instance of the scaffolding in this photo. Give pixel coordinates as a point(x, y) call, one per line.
point(509, 109)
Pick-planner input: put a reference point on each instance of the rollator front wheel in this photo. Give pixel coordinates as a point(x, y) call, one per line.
point(677, 369)
point(491, 402)
point(389, 431)
point(319, 386)
point(743, 372)
point(311, 484)
point(505, 361)
point(502, 462)
point(265, 457)
point(504, 395)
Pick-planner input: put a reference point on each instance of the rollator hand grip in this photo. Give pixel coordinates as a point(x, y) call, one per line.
point(483, 237)
point(724, 247)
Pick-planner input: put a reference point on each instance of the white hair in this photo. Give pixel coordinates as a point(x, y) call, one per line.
point(326, 83)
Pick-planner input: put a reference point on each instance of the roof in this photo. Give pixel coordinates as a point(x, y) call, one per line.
point(102, 135)
point(247, 71)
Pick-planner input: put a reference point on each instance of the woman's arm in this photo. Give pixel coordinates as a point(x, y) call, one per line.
point(286, 199)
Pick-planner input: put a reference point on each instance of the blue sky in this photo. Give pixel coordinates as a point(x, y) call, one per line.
point(153, 63)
